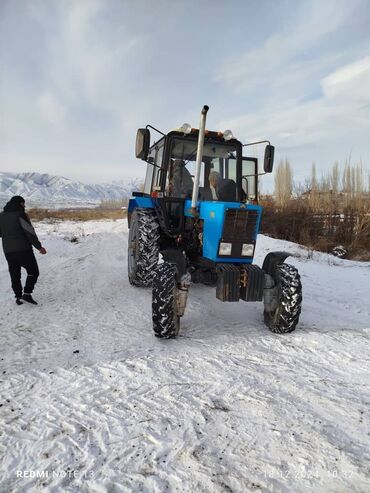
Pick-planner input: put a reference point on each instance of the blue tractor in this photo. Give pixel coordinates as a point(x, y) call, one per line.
point(197, 220)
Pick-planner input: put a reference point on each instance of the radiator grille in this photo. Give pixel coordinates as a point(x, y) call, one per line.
point(240, 225)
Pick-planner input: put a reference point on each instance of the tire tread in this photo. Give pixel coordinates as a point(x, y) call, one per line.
point(165, 319)
point(286, 316)
point(148, 232)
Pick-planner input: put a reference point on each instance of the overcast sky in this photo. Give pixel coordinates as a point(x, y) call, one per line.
point(78, 77)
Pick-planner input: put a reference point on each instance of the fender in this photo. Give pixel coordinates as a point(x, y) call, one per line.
point(272, 260)
point(138, 201)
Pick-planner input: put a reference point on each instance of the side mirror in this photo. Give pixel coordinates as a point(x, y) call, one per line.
point(268, 162)
point(142, 143)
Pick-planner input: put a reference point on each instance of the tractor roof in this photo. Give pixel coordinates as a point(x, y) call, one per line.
point(209, 134)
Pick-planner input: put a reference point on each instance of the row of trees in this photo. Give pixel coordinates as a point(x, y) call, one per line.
point(322, 212)
point(339, 188)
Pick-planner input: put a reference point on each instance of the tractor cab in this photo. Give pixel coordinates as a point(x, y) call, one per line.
point(199, 211)
point(172, 165)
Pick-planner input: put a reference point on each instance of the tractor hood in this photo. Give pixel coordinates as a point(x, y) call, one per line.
point(229, 231)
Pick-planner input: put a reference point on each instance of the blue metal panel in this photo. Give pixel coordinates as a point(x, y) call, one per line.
point(213, 214)
point(145, 202)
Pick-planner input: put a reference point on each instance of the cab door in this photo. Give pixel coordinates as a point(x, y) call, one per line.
point(250, 178)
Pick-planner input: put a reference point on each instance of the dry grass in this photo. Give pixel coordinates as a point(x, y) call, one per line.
point(299, 223)
point(324, 212)
point(76, 214)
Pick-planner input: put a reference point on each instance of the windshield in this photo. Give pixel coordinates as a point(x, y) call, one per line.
point(217, 176)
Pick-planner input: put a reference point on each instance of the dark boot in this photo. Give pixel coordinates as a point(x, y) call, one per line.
point(29, 299)
point(18, 301)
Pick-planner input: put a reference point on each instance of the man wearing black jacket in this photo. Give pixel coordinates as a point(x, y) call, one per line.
point(18, 237)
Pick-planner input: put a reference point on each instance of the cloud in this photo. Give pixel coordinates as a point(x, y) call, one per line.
point(78, 78)
point(324, 130)
point(349, 82)
point(307, 87)
point(88, 59)
point(51, 110)
point(344, 93)
point(287, 67)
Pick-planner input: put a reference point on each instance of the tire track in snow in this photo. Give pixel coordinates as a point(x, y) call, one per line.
point(149, 416)
point(227, 407)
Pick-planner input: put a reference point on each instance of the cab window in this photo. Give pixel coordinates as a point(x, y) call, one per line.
point(149, 171)
point(157, 169)
point(218, 162)
point(249, 171)
point(153, 171)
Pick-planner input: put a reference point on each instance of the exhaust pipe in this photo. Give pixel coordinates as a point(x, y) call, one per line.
point(198, 163)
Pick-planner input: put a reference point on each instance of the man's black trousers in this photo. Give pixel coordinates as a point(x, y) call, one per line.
point(27, 260)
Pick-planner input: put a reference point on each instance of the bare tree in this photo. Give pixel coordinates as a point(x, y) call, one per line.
point(314, 195)
point(283, 183)
point(335, 178)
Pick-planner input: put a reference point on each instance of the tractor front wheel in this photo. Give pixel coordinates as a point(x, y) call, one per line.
point(166, 321)
point(283, 314)
point(143, 247)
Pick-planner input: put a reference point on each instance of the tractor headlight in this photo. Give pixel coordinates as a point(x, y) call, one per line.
point(225, 249)
point(247, 250)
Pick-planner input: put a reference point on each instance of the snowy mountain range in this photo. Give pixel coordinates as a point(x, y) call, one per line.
point(56, 191)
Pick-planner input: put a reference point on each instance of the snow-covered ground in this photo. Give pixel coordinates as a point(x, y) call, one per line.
point(92, 402)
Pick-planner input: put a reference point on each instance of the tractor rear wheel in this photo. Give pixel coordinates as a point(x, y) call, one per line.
point(284, 315)
point(143, 247)
point(166, 322)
